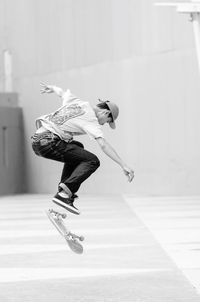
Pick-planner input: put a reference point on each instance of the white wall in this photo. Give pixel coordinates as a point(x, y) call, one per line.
point(132, 52)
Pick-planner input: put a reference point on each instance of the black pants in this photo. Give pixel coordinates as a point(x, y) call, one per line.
point(79, 164)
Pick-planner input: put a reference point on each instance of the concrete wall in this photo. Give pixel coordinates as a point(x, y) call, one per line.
point(11, 145)
point(141, 56)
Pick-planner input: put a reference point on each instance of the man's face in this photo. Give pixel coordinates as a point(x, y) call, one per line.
point(103, 117)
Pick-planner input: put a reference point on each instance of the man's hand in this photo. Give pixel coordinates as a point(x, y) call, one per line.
point(108, 150)
point(129, 173)
point(46, 88)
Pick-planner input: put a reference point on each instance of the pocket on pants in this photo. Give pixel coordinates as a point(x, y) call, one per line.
point(42, 147)
point(35, 148)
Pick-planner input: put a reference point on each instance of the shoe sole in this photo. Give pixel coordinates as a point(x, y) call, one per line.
point(66, 206)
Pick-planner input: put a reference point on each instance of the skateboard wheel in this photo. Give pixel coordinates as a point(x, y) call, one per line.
point(81, 238)
point(64, 216)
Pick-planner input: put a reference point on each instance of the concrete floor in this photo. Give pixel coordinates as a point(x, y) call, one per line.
point(122, 261)
point(175, 223)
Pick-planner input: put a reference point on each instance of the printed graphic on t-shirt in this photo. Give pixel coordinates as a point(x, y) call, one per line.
point(65, 113)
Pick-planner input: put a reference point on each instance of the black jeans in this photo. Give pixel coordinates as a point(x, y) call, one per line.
point(79, 164)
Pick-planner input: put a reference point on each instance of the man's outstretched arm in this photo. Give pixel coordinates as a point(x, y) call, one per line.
point(110, 152)
point(50, 89)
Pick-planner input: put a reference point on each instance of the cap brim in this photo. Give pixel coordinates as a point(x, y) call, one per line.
point(112, 125)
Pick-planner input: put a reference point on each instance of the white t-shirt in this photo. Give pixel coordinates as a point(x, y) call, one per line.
point(74, 117)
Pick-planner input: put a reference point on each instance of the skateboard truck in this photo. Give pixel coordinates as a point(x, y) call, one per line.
point(58, 214)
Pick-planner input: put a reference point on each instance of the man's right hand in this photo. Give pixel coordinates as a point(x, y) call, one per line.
point(129, 173)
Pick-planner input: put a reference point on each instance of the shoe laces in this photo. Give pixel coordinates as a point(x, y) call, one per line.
point(71, 202)
point(71, 199)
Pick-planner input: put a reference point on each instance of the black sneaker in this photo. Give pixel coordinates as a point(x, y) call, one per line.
point(66, 203)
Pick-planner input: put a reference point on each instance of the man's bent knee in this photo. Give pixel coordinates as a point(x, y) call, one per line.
point(95, 163)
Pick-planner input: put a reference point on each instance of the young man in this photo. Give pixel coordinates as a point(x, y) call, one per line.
point(54, 140)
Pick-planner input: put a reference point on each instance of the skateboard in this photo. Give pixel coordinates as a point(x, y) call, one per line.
point(72, 239)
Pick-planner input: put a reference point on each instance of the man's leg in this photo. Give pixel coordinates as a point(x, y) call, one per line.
point(82, 164)
point(79, 165)
point(68, 168)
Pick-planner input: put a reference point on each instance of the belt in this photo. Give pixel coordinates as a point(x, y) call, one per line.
point(44, 135)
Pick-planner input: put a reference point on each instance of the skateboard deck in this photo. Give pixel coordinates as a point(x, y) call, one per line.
point(72, 239)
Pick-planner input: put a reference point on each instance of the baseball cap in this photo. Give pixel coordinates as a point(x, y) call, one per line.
point(114, 110)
